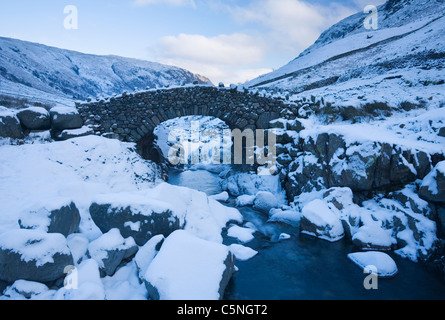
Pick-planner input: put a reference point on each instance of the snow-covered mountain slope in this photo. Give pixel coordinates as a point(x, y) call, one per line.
point(400, 61)
point(33, 68)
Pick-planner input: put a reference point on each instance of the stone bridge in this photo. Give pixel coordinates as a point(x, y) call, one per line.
point(133, 117)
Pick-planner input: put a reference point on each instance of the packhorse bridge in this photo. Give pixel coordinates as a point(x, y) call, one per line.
point(133, 117)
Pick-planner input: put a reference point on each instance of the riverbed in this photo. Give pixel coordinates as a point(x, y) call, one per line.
point(306, 268)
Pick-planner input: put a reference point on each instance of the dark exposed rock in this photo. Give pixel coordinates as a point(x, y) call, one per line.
point(64, 220)
point(142, 226)
point(35, 118)
point(65, 118)
point(10, 125)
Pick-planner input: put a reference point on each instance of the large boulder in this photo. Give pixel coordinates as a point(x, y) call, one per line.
point(33, 255)
point(189, 268)
point(110, 250)
point(373, 237)
point(58, 215)
point(433, 186)
point(322, 221)
point(35, 118)
point(264, 201)
point(64, 118)
point(10, 125)
point(382, 263)
point(138, 217)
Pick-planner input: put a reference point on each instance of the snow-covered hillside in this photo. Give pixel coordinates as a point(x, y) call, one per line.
point(349, 65)
point(34, 70)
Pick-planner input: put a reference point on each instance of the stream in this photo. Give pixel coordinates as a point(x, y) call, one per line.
point(307, 268)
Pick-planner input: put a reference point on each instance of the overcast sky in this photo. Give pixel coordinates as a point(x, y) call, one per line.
point(226, 40)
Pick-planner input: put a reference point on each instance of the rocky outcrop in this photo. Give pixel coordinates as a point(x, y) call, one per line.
point(433, 186)
point(328, 161)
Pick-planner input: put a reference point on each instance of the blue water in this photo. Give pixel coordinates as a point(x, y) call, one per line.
point(307, 268)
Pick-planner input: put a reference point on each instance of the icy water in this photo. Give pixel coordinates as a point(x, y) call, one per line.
point(306, 268)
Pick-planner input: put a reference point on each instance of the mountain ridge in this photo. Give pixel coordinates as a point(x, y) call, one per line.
point(75, 75)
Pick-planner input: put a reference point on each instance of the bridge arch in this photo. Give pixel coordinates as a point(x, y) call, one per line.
point(131, 117)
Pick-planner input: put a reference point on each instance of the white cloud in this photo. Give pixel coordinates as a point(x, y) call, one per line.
point(291, 24)
point(141, 3)
point(226, 58)
point(231, 49)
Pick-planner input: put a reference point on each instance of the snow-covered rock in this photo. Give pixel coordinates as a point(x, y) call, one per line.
point(125, 284)
point(27, 290)
point(65, 118)
point(373, 237)
point(265, 201)
point(147, 253)
point(33, 255)
point(222, 197)
point(78, 244)
point(245, 200)
point(189, 268)
point(35, 118)
point(55, 215)
point(319, 220)
point(383, 263)
point(74, 133)
point(242, 234)
point(433, 186)
point(110, 250)
point(135, 215)
point(288, 216)
point(10, 125)
point(242, 253)
point(151, 212)
point(84, 283)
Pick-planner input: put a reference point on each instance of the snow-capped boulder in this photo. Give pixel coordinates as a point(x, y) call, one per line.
point(33, 255)
point(433, 186)
point(373, 237)
point(135, 215)
point(245, 200)
point(241, 252)
point(74, 133)
point(110, 250)
point(189, 268)
point(222, 197)
point(28, 290)
point(320, 220)
point(244, 235)
point(147, 253)
point(35, 118)
point(10, 125)
point(264, 201)
point(383, 263)
point(65, 118)
point(56, 215)
point(289, 216)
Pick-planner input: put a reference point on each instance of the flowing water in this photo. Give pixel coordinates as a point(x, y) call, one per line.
point(304, 267)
